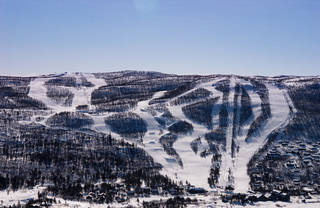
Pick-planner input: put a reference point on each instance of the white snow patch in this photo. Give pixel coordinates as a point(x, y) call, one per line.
point(21, 196)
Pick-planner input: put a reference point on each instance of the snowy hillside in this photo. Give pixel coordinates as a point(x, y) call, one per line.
point(200, 134)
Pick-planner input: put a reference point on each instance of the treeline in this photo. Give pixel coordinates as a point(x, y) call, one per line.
point(176, 202)
point(62, 96)
point(119, 98)
point(14, 94)
point(167, 142)
point(73, 120)
point(201, 112)
point(260, 88)
point(69, 82)
point(181, 127)
point(72, 164)
point(194, 95)
point(174, 93)
point(246, 108)
point(127, 124)
point(124, 90)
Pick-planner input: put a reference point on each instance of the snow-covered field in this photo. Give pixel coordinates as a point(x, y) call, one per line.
point(22, 196)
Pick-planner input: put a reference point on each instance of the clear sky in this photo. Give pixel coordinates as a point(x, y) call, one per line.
point(246, 37)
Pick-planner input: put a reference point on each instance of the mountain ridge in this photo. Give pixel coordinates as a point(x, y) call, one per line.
point(226, 127)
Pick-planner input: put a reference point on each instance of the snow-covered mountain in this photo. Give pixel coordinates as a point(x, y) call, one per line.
point(213, 133)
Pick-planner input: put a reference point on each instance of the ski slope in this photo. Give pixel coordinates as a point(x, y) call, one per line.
point(226, 162)
point(195, 169)
point(82, 95)
point(280, 115)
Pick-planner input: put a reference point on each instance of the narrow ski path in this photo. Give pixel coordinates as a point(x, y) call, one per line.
point(236, 119)
point(226, 168)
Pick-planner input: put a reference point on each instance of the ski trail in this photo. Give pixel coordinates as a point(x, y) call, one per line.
point(256, 111)
point(226, 157)
point(82, 95)
point(38, 91)
point(151, 142)
point(280, 115)
point(216, 107)
point(241, 160)
point(196, 169)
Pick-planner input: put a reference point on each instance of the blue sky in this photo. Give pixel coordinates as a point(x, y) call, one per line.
point(246, 37)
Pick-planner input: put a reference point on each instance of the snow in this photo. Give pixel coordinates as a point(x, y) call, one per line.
point(38, 91)
point(195, 168)
point(226, 159)
point(151, 142)
point(213, 200)
point(300, 81)
point(22, 196)
point(132, 202)
point(280, 115)
point(82, 95)
point(216, 108)
point(205, 201)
